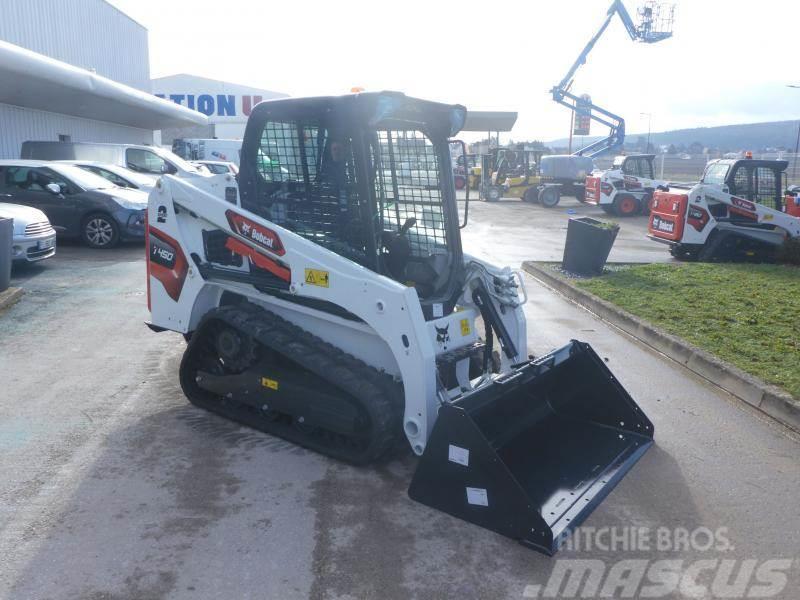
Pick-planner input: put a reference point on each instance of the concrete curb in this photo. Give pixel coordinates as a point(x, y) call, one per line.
point(767, 398)
point(9, 297)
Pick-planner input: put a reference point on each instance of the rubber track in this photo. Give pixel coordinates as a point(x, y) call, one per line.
point(376, 392)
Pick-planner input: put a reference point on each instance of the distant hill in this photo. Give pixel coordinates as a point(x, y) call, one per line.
point(727, 138)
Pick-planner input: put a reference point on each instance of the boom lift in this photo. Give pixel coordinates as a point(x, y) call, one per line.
point(327, 300)
point(740, 211)
point(655, 25)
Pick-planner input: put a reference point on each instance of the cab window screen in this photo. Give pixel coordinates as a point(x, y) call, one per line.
point(766, 188)
point(307, 184)
point(407, 186)
point(741, 183)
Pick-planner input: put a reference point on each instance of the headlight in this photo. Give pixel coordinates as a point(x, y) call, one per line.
point(130, 205)
point(136, 220)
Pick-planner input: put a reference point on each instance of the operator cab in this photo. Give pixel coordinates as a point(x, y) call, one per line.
point(367, 176)
point(635, 165)
point(517, 163)
point(760, 181)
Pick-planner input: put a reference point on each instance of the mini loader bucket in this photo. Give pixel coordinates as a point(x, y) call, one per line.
point(533, 453)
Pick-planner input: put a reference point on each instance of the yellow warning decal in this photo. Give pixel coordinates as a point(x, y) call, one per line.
point(317, 277)
point(465, 330)
point(269, 383)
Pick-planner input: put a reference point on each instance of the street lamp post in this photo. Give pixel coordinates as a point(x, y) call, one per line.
point(649, 119)
point(797, 143)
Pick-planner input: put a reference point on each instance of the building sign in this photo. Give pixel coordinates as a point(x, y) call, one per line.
point(583, 115)
point(233, 106)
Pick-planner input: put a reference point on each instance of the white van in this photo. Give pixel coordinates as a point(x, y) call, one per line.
point(151, 160)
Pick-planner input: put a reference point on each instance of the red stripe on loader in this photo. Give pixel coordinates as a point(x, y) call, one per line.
point(258, 259)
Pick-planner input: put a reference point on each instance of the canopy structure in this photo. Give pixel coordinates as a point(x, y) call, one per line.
point(489, 120)
point(31, 80)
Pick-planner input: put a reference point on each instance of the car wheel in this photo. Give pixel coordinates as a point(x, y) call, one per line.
point(531, 195)
point(626, 205)
point(608, 208)
point(580, 194)
point(100, 231)
point(549, 197)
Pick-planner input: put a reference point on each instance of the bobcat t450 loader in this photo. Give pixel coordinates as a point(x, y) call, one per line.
point(627, 188)
point(327, 301)
point(740, 211)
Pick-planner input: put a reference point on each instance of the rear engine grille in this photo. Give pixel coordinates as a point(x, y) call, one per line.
point(38, 228)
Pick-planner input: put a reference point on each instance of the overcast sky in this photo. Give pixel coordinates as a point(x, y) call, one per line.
point(728, 62)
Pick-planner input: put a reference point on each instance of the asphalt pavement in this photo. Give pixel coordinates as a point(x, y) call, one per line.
point(521, 231)
point(113, 487)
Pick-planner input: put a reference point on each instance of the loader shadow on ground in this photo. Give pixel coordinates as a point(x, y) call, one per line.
point(204, 507)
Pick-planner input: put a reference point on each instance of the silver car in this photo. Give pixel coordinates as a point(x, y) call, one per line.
point(34, 237)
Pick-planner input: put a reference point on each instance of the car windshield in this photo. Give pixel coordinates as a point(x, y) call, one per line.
point(133, 176)
point(81, 178)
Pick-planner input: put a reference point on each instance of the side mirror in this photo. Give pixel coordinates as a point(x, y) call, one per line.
point(53, 188)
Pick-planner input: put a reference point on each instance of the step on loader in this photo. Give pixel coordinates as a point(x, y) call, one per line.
point(327, 300)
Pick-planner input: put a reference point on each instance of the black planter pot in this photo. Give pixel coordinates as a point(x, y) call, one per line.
point(589, 242)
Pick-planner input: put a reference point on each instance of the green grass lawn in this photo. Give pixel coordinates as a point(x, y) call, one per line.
point(748, 315)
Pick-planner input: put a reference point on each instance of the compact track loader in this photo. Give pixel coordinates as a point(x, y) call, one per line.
point(327, 300)
point(740, 211)
point(627, 188)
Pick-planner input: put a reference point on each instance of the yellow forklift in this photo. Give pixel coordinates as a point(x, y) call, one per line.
point(516, 175)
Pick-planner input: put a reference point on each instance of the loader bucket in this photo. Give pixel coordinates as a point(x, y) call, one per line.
point(533, 453)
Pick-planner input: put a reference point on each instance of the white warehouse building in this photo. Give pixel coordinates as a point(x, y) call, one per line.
point(58, 83)
point(227, 105)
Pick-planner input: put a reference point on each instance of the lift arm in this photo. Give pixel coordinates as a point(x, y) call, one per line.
point(646, 33)
point(616, 8)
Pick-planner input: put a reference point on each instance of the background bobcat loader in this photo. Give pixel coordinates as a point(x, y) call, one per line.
point(327, 300)
point(740, 211)
point(627, 188)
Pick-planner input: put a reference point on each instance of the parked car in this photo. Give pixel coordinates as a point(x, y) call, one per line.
point(117, 175)
point(34, 237)
point(142, 159)
point(218, 167)
point(77, 203)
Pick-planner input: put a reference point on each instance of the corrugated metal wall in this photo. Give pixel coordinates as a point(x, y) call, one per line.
point(20, 124)
point(90, 34)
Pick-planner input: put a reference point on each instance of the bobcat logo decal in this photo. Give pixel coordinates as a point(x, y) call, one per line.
point(442, 336)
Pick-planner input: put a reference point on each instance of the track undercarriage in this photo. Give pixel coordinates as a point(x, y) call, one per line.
point(250, 365)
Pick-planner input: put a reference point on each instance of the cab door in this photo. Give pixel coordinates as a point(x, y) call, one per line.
point(61, 208)
point(767, 188)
